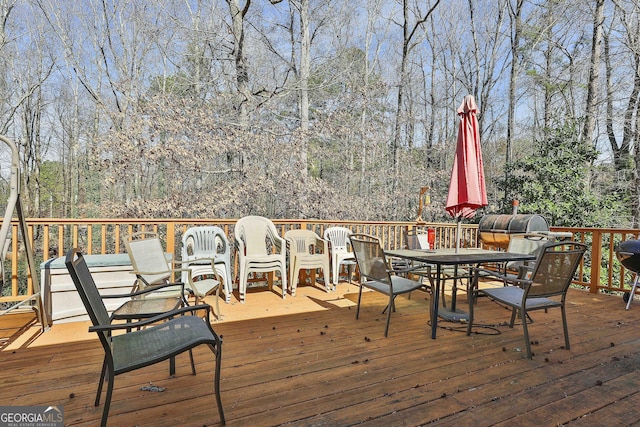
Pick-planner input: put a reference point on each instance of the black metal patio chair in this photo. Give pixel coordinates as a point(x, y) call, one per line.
point(162, 337)
point(546, 287)
point(375, 274)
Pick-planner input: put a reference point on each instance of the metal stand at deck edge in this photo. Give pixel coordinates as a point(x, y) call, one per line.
point(14, 204)
point(633, 291)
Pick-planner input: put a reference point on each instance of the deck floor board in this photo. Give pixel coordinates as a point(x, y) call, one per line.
point(318, 365)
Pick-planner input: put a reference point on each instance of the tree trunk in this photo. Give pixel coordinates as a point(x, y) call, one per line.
point(395, 142)
point(242, 74)
point(516, 16)
point(594, 74)
point(305, 66)
point(407, 37)
point(305, 71)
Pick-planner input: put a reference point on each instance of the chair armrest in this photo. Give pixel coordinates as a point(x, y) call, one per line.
point(149, 289)
point(171, 270)
point(279, 243)
point(324, 244)
point(483, 272)
point(409, 269)
point(195, 260)
point(239, 245)
point(155, 319)
point(320, 245)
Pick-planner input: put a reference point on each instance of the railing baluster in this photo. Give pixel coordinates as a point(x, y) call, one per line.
point(596, 257)
point(89, 239)
point(45, 241)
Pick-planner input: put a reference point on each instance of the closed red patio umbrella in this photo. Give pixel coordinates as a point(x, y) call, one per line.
point(467, 191)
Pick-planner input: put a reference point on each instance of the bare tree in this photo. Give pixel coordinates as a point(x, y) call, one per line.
point(594, 73)
point(628, 148)
point(238, 13)
point(25, 70)
point(515, 12)
point(302, 7)
point(275, 102)
point(409, 30)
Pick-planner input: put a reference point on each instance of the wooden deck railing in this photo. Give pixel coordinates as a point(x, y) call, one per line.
point(52, 237)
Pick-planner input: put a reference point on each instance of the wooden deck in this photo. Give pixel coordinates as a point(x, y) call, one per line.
point(306, 361)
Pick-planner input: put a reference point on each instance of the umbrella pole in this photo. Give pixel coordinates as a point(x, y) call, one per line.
point(455, 314)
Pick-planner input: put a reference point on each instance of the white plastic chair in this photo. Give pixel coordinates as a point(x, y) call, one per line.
point(201, 245)
point(260, 250)
point(307, 251)
point(338, 238)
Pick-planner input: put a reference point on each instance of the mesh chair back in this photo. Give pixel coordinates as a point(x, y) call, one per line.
point(555, 267)
point(147, 256)
point(370, 258)
point(87, 289)
point(525, 244)
point(416, 239)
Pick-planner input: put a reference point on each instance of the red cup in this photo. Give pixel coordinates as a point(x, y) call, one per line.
point(431, 237)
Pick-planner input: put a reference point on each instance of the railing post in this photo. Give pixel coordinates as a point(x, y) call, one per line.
point(596, 258)
point(171, 238)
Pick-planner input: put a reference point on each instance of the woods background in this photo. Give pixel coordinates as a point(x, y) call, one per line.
point(332, 109)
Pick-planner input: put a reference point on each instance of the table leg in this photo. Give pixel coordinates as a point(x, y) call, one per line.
point(454, 289)
point(435, 303)
point(453, 314)
point(473, 288)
